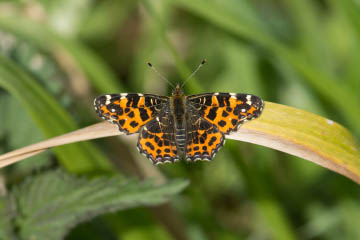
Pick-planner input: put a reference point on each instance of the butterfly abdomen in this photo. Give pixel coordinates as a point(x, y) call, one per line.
point(178, 111)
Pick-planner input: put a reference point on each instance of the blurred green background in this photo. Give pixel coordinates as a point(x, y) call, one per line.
point(56, 56)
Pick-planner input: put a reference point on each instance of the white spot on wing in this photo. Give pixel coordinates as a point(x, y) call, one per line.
point(331, 122)
point(108, 97)
point(248, 97)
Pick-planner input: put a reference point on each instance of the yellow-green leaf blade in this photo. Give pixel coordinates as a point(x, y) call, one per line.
point(305, 135)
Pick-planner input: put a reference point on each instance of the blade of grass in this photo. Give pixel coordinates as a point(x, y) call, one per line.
point(50, 118)
point(280, 127)
point(305, 135)
point(99, 130)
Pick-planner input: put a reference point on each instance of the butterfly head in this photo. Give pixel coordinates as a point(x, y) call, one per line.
point(178, 90)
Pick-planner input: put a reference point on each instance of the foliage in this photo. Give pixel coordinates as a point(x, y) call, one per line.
point(48, 205)
point(56, 56)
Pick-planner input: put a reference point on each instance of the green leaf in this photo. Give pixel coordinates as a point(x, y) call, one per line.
point(50, 204)
point(50, 118)
point(23, 133)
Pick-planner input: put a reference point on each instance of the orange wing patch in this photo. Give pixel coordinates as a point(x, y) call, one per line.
point(226, 110)
point(128, 111)
point(204, 140)
point(157, 142)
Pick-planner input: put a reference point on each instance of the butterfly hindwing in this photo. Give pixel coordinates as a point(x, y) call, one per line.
point(129, 111)
point(157, 140)
point(203, 139)
point(226, 110)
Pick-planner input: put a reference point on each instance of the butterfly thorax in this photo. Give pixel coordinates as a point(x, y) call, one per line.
point(178, 110)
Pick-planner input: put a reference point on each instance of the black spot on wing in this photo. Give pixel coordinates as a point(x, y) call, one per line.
point(224, 113)
point(122, 122)
point(234, 122)
point(131, 114)
point(134, 124)
point(212, 140)
point(221, 123)
point(148, 144)
point(204, 125)
point(135, 100)
point(143, 114)
point(221, 99)
point(212, 113)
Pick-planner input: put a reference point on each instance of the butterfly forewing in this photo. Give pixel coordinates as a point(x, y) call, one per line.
point(129, 111)
point(226, 110)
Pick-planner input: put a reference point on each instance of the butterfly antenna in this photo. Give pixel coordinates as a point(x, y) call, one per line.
point(159, 74)
point(196, 70)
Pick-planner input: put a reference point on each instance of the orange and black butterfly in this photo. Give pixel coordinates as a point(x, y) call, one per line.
point(193, 127)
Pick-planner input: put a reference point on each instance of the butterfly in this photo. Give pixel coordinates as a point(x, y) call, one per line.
point(176, 126)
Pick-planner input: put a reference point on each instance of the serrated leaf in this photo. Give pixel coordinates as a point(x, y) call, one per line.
point(50, 204)
point(7, 214)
